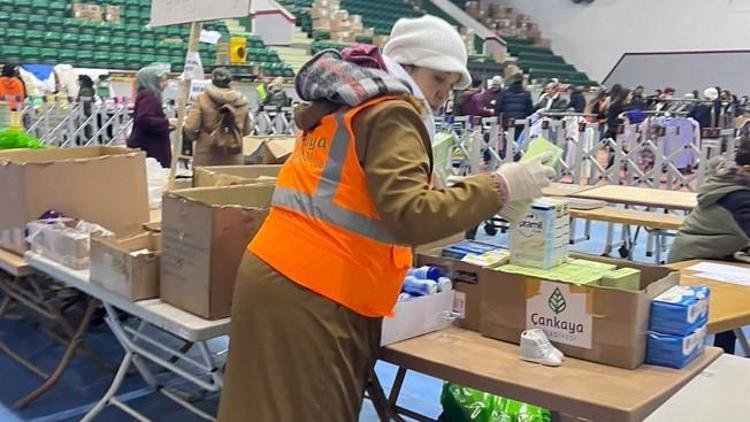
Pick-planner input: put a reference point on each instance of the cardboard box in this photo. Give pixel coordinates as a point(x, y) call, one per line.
point(234, 175)
point(205, 232)
point(465, 277)
point(128, 266)
point(590, 322)
point(418, 316)
point(268, 149)
point(541, 239)
point(102, 185)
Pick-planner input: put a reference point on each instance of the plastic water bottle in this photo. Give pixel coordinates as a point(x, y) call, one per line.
point(444, 284)
point(420, 287)
point(426, 273)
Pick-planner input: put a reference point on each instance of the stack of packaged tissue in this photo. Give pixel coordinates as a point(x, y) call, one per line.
point(541, 239)
point(424, 281)
point(677, 329)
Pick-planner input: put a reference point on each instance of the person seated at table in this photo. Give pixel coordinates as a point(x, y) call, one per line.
point(720, 225)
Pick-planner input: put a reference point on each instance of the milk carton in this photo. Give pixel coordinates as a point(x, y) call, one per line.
point(541, 239)
point(680, 310)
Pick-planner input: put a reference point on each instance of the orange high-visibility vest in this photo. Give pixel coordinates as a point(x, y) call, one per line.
point(323, 231)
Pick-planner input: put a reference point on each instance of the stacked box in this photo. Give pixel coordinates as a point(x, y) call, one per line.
point(624, 278)
point(680, 310)
point(675, 351)
point(541, 239)
point(678, 326)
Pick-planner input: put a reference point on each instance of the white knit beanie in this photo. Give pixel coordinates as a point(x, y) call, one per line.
point(429, 42)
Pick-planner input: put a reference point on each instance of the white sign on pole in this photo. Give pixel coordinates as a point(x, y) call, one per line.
point(171, 12)
point(210, 37)
point(193, 66)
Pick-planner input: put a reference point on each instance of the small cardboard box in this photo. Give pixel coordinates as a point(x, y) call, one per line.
point(465, 279)
point(590, 322)
point(234, 175)
point(418, 316)
point(205, 232)
point(268, 149)
point(102, 185)
point(127, 266)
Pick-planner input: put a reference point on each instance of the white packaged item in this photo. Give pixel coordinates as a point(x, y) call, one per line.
point(541, 239)
point(157, 182)
point(418, 316)
point(64, 240)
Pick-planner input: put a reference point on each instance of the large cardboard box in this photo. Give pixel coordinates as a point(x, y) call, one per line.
point(127, 266)
point(102, 185)
point(234, 175)
point(267, 149)
point(205, 232)
point(465, 277)
point(594, 323)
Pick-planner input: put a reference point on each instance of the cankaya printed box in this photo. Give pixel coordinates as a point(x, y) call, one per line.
point(541, 239)
point(600, 324)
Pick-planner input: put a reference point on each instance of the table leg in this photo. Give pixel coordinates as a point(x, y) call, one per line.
point(397, 384)
point(65, 361)
point(110, 394)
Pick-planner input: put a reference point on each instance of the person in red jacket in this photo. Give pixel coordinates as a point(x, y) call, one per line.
point(150, 125)
point(12, 88)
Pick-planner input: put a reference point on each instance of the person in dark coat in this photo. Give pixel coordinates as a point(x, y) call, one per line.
point(639, 101)
point(516, 101)
point(618, 105)
point(577, 99)
point(515, 104)
point(150, 125)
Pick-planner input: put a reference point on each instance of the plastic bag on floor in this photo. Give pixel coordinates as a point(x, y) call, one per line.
point(462, 404)
point(157, 182)
point(12, 139)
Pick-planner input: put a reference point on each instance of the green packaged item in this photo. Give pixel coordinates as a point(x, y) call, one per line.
point(624, 278)
point(539, 146)
point(14, 139)
point(462, 404)
point(601, 266)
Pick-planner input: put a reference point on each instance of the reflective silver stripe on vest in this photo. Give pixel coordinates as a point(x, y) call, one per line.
point(320, 205)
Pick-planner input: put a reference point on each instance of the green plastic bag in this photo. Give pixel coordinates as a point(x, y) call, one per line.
point(13, 139)
point(462, 404)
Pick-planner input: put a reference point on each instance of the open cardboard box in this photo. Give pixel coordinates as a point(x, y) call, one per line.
point(117, 269)
point(205, 232)
point(234, 175)
point(267, 149)
point(465, 277)
point(595, 323)
point(102, 185)
point(418, 316)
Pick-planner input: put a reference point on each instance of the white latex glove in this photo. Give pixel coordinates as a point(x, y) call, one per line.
point(526, 180)
point(514, 212)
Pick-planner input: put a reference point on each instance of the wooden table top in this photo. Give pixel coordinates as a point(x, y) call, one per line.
point(729, 307)
point(565, 189)
point(14, 265)
point(579, 388)
point(652, 220)
point(647, 197)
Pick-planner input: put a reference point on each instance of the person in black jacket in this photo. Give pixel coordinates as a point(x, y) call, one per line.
point(577, 99)
point(618, 105)
point(515, 102)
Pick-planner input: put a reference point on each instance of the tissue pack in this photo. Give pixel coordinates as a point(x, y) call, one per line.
point(541, 239)
point(624, 278)
point(675, 351)
point(680, 310)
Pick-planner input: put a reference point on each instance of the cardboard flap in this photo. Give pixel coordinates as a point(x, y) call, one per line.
point(252, 196)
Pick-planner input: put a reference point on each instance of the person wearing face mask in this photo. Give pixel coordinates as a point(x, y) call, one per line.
point(150, 125)
point(349, 204)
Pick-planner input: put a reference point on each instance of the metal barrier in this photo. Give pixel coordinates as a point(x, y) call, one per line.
point(63, 123)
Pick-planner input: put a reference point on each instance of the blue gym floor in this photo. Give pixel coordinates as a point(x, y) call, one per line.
point(84, 383)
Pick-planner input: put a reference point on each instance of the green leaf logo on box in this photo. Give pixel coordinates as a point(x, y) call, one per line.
point(557, 302)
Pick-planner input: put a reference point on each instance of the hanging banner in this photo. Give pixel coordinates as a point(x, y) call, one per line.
point(171, 12)
point(210, 37)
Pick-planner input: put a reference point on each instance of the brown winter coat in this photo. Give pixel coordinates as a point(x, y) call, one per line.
point(203, 119)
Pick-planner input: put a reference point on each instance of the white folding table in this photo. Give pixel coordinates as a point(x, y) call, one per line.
point(141, 346)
